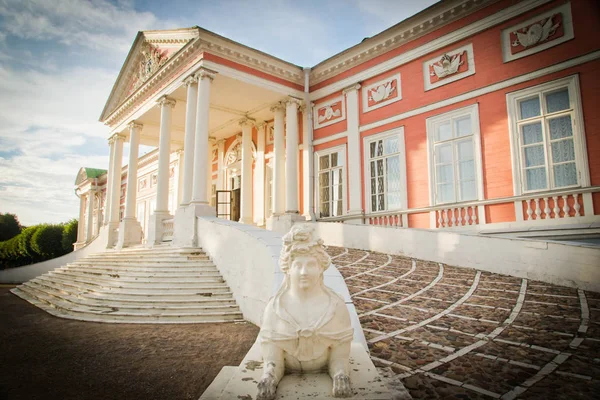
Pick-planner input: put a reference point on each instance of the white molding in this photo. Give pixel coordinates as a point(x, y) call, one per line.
point(436, 44)
point(399, 131)
point(455, 77)
point(473, 112)
point(485, 90)
point(317, 107)
point(564, 9)
point(342, 150)
point(366, 89)
point(579, 138)
point(331, 138)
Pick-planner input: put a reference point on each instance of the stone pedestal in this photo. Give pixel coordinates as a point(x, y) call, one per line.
point(113, 234)
point(354, 218)
point(130, 233)
point(283, 223)
point(185, 230)
point(155, 227)
point(365, 380)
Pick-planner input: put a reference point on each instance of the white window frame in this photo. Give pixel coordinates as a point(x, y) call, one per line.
point(579, 140)
point(367, 177)
point(432, 122)
point(317, 154)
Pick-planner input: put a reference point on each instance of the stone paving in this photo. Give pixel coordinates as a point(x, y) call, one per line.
point(458, 333)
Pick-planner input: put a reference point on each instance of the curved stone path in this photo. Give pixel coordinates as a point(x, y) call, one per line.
point(456, 333)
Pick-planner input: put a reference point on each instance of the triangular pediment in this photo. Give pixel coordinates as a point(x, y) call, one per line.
point(150, 51)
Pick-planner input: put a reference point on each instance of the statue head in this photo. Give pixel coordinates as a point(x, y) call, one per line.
point(301, 240)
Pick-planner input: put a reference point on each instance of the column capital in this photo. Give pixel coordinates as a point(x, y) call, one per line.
point(166, 101)
point(260, 125)
point(350, 88)
point(115, 137)
point(135, 125)
point(204, 73)
point(247, 121)
point(190, 80)
point(212, 140)
point(220, 142)
point(293, 100)
point(280, 105)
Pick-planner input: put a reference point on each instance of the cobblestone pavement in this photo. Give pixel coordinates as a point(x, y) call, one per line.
point(458, 333)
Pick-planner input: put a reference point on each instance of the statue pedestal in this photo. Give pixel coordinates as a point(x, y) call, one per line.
point(284, 222)
point(365, 380)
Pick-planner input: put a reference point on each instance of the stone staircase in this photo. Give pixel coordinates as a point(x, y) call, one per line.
point(160, 285)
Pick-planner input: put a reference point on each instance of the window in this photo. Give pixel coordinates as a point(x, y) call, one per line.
point(386, 176)
point(454, 156)
point(548, 144)
point(330, 165)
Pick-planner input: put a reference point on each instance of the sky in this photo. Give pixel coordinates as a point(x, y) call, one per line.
point(60, 58)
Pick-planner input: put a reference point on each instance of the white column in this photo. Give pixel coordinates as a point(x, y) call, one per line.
point(199, 194)
point(179, 177)
point(109, 176)
point(90, 216)
point(220, 163)
point(246, 181)
point(164, 153)
point(291, 157)
point(132, 168)
point(80, 224)
point(188, 146)
point(354, 163)
point(115, 189)
point(209, 171)
point(307, 164)
point(278, 160)
point(259, 176)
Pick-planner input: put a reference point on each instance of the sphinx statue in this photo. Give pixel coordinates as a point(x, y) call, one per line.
point(306, 325)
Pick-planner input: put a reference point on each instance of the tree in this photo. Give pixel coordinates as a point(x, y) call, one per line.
point(9, 226)
point(47, 241)
point(69, 235)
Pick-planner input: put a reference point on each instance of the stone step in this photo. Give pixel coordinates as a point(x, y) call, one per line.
point(124, 276)
point(149, 272)
point(128, 308)
point(144, 264)
point(216, 287)
point(161, 258)
point(146, 253)
point(119, 281)
point(62, 309)
point(136, 297)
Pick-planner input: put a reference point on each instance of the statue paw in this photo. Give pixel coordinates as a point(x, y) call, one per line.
point(341, 386)
point(266, 389)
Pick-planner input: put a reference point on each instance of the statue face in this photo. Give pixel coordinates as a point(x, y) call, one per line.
point(305, 272)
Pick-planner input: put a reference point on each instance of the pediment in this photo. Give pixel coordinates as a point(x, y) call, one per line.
point(149, 52)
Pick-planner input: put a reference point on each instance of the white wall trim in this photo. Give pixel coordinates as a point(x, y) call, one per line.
point(434, 45)
point(331, 138)
point(485, 90)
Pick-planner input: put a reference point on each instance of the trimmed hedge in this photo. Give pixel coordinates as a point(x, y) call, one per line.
point(38, 243)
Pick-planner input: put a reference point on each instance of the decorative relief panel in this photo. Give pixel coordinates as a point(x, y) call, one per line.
point(143, 184)
point(329, 112)
point(449, 67)
point(270, 133)
point(152, 58)
point(381, 93)
point(538, 33)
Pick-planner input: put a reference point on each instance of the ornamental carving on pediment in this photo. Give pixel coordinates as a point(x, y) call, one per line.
point(537, 33)
point(151, 59)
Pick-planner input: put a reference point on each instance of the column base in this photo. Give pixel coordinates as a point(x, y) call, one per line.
point(246, 220)
point(155, 227)
point(282, 223)
point(130, 233)
point(203, 209)
point(184, 231)
point(113, 234)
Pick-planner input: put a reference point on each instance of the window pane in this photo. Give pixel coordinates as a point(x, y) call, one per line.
point(536, 178)
point(372, 149)
point(380, 184)
point(444, 153)
point(337, 177)
point(373, 182)
point(393, 200)
point(532, 133)
point(565, 175)
point(391, 145)
point(445, 193)
point(379, 148)
point(324, 162)
point(373, 203)
point(324, 209)
point(372, 169)
point(381, 203)
point(393, 173)
point(530, 108)
point(445, 174)
point(465, 150)
point(444, 132)
point(558, 101)
point(323, 180)
point(560, 127)
point(534, 156)
point(379, 168)
point(337, 208)
point(324, 194)
point(334, 159)
point(466, 170)
point(563, 151)
point(467, 191)
point(463, 126)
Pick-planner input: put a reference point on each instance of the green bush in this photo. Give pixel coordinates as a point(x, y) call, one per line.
point(24, 240)
point(69, 235)
point(9, 226)
point(47, 241)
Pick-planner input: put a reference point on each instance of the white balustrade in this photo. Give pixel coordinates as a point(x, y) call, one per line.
point(457, 216)
point(553, 207)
